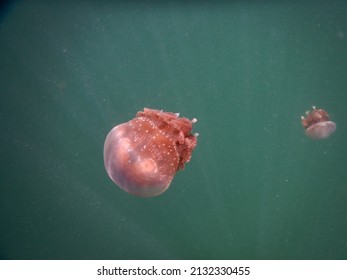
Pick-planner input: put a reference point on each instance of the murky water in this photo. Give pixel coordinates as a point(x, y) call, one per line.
point(256, 187)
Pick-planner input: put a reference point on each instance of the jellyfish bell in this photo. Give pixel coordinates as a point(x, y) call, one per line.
point(321, 130)
point(317, 124)
point(143, 155)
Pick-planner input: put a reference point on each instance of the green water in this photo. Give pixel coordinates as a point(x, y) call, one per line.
point(256, 187)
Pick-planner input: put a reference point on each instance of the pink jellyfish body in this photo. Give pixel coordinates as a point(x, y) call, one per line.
point(143, 155)
point(317, 124)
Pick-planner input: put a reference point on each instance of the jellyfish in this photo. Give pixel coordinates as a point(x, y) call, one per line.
point(317, 124)
point(143, 155)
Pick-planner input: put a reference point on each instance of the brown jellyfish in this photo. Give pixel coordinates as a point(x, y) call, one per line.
point(143, 155)
point(317, 124)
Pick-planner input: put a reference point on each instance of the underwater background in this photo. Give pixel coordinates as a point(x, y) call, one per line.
point(256, 186)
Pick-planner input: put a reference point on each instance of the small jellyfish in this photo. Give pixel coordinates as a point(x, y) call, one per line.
point(317, 124)
point(143, 155)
